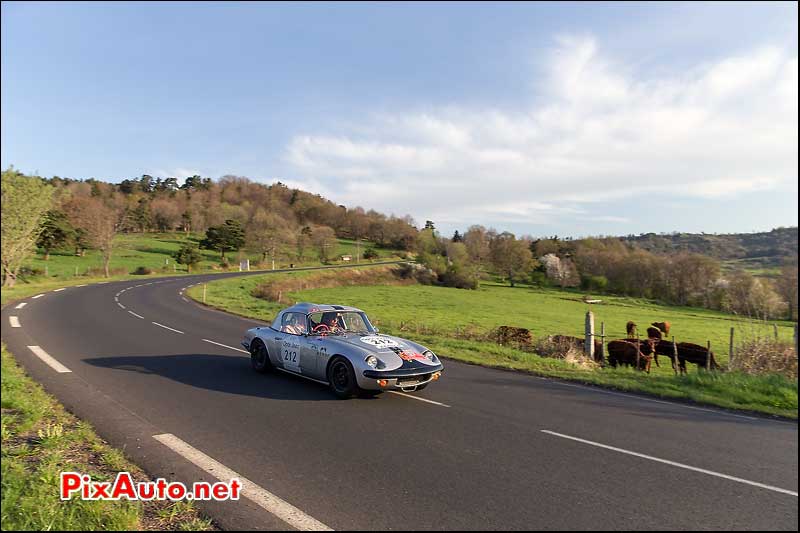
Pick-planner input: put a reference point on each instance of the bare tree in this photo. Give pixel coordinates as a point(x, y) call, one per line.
point(268, 233)
point(324, 239)
point(100, 222)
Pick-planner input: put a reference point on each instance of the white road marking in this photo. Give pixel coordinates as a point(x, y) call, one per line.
point(116, 298)
point(134, 314)
point(14, 321)
point(48, 360)
point(226, 346)
point(262, 497)
point(83, 285)
point(676, 404)
point(122, 306)
point(184, 299)
point(59, 290)
point(673, 463)
point(38, 296)
point(20, 306)
point(167, 327)
point(416, 398)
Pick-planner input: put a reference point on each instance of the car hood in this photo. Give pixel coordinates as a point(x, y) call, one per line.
point(393, 351)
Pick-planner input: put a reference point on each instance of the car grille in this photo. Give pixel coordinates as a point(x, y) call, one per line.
point(413, 380)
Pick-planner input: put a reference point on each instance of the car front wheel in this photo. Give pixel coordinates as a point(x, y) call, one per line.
point(342, 378)
point(259, 358)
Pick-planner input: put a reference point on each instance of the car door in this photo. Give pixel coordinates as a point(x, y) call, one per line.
point(314, 357)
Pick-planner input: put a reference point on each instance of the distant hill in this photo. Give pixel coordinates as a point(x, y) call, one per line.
point(769, 249)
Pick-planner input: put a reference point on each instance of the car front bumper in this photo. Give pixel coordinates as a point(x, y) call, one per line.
point(405, 379)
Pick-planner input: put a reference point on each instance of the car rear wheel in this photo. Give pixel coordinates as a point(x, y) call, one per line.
point(342, 378)
point(259, 358)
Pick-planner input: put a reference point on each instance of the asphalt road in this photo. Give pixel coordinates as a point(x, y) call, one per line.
point(488, 450)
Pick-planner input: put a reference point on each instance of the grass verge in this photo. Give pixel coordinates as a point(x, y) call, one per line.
point(40, 439)
point(438, 317)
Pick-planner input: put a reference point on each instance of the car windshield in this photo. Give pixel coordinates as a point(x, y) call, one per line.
point(339, 323)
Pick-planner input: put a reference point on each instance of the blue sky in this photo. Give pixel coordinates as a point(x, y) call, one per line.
point(569, 119)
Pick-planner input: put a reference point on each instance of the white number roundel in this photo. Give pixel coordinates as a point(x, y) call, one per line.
point(378, 341)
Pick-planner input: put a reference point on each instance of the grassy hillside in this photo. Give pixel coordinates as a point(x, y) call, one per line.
point(761, 253)
point(154, 251)
point(447, 319)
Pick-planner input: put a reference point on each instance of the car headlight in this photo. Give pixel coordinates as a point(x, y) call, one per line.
point(372, 361)
point(430, 355)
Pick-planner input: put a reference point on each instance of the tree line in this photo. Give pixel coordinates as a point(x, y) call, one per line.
point(279, 222)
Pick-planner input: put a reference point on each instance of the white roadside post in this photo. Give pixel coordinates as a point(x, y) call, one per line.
point(204, 293)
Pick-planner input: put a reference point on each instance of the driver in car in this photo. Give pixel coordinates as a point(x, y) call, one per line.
point(329, 323)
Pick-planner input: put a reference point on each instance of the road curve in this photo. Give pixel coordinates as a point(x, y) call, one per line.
point(489, 449)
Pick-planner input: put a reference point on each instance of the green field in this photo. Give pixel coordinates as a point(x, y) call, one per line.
point(154, 251)
point(439, 317)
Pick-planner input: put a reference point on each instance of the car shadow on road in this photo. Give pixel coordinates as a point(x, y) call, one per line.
point(230, 374)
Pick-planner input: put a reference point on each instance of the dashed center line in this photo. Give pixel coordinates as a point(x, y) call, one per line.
point(260, 496)
point(20, 306)
point(14, 321)
point(226, 346)
point(673, 463)
point(134, 314)
point(48, 360)
point(167, 327)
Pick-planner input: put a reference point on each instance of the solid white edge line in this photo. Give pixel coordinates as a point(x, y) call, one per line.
point(676, 404)
point(134, 314)
point(20, 306)
point(167, 327)
point(404, 395)
point(14, 321)
point(260, 496)
point(226, 346)
point(37, 296)
point(673, 463)
point(48, 360)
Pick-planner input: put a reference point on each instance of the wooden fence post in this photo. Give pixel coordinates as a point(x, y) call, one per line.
point(588, 343)
point(638, 350)
point(708, 355)
point(204, 293)
point(674, 355)
point(730, 351)
point(775, 327)
point(602, 354)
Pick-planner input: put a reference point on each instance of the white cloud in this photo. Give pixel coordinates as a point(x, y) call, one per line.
point(180, 173)
point(597, 133)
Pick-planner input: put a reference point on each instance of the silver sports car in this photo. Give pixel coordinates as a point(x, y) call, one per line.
point(336, 345)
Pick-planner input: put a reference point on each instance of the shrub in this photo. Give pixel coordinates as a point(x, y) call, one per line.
point(593, 283)
point(142, 271)
point(371, 253)
point(765, 355)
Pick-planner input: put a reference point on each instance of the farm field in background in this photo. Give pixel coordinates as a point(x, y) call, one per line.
point(437, 317)
point(154, 251)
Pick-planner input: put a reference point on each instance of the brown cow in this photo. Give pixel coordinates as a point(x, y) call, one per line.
point(694, 353)
point(631, 352)
point(654, 333)
point(663, 326)
point(630, 329)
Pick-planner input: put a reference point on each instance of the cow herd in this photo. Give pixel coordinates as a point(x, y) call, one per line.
point(640, 353)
